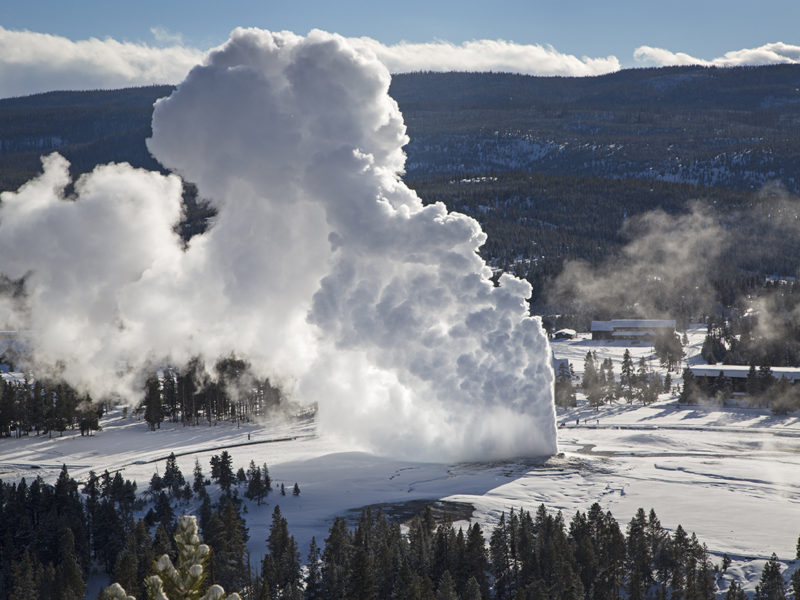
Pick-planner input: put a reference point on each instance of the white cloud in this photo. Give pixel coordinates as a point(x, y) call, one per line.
point(487, 55)
point(768, 54)
point(33, 62)
point(162, 35)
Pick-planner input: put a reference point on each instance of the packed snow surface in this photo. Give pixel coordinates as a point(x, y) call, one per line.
point(729, 475)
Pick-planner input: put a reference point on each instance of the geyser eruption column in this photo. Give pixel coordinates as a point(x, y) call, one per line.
point(326, 271)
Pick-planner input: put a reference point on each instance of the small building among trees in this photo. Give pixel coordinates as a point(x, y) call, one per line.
point(565, 334)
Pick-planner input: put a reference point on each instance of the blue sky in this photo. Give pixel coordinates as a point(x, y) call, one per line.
point(92, 44)
point(703, 28)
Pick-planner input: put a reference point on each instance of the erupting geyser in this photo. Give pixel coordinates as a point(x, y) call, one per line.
point(321, 267)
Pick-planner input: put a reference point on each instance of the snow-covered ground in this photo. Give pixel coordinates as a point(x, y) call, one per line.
point(730, 475)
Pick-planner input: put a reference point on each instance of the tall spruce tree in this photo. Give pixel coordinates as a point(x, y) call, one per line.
point(772, 586)
point(153, 413)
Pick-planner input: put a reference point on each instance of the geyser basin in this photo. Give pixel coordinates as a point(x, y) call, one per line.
point(322, 267)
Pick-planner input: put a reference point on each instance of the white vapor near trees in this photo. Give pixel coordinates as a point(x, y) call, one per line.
point(321, 268)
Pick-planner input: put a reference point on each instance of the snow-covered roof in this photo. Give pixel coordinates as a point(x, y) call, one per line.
point(566, 332)
point(615, 324)
point(740, 371)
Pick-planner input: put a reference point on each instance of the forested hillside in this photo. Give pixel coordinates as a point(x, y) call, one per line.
point(733, 128)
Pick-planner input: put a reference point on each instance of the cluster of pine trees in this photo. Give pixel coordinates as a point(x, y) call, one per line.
point(53, 536)
point(190, 396)
point(762, 389)
point(45, 407)
point(600, 384)
point(228, 392)
point(771, 337)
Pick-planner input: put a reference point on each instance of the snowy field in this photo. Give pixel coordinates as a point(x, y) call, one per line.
point(728, 475)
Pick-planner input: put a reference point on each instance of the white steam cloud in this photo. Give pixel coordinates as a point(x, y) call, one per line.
point(768, 54)
point(322, 268)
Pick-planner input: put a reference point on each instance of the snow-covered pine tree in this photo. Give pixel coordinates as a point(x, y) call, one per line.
point(184, 582)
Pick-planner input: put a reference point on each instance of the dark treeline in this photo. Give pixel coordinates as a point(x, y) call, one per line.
point(190, 396)
point(537, 223)
point(229, 392)
point(54, 536)
point(45, 407)
point(766, 334)
point(761, 389)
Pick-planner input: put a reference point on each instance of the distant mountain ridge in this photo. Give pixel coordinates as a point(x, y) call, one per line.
point(733, 128)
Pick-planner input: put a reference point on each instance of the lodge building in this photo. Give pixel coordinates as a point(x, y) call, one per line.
point(638, 330)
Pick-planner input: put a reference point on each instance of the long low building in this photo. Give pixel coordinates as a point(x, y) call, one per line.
point(644, 330)
point(738, 373)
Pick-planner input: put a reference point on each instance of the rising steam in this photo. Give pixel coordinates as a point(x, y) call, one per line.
point(322, 268)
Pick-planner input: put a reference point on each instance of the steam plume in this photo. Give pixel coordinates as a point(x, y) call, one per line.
point(322, 267)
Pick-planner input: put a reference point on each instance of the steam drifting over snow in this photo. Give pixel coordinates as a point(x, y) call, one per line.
point(322, 267)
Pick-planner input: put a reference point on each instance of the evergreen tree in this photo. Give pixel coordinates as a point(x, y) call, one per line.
point(795, 581)
point(152, 403)
point(256, 488)
point(198, 482)
point(752, 385)
point(335, 560)
point(735, 592)
point(222, 470)
point(501, 559)
point(24, 582)
point(772, 585)
point(227, 536)
point(68, 571)
point(126, 568)
point(446, 589)
point(170, 395)
point(241, 477)
point(476, 559)
point(472, 591)
point(689, 389)
point(184, 581)
point(162, 544)
point(564, 390)
point(590, 382)
point(313, 578)
point(627, 376)
point(281, 565)
point(173, 478)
